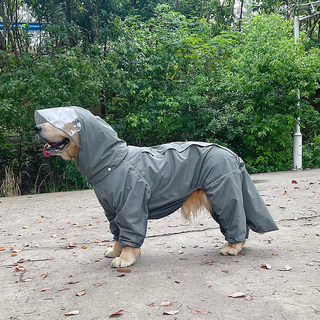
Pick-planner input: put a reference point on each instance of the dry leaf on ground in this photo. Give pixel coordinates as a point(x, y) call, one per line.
point(72, 313)
point(237, 295)
point(171, 313)
point(286, 268)
point(116, 314)
point(124, 270)
point(71, 245)
point(200, 311)
point(81, 293)
point(165, 304)
point(248, 297)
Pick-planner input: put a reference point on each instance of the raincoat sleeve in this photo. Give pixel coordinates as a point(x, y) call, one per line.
point(127, 196)
point(108, 211)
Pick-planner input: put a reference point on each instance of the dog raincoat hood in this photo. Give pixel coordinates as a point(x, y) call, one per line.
point(100, 148)
point(135, 184)
point(63, 118)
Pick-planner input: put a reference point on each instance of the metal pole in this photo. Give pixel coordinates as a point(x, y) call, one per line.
point(297, 137)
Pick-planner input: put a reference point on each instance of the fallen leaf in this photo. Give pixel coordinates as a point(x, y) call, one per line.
point(13, 254)
point(248, 297)
point(2, 248)
point(286, 268)
point(209, 263)
point(72, 313)
point(266, 266)
point(81, 293)
point(63, 289)
point(200, 311)
point(151, 304)
point(268, 204)
point(20, 268)
point(165, 304)
point(124, 270)
point(294, 181)
point(171, 313)
point(71, 245)
point(116, 314)
point(73, 282)
point(44, 275)
point(225, 271)
point(97, 284)
point(237, 295)
point(46, 289)
point(84, 247)
point(121, 275)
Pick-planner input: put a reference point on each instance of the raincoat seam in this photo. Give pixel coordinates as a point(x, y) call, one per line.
point(224, 176)
point(179, 151)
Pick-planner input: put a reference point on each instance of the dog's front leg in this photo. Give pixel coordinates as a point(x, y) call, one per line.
point(113, 252)
point(127, 257)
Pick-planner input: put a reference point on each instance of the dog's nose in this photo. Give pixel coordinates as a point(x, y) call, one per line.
point(37, 129)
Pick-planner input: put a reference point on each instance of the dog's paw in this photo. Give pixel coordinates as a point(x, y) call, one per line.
point(127, 257)
point(232, 249)
point(122, 263)
point(111, 253)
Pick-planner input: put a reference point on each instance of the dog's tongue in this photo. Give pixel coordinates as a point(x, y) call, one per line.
point(47, 154)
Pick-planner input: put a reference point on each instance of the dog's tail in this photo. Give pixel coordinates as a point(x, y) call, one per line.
point(195, 203)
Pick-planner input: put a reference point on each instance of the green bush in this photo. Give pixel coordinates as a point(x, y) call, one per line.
point(162, 80)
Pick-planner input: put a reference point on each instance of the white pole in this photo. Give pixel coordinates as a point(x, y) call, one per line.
point(297, 137)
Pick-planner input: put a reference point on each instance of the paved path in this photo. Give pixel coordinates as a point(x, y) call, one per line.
point(51, 261)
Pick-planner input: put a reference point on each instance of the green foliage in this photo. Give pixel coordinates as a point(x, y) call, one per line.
point(161, 77)
point(256, 103)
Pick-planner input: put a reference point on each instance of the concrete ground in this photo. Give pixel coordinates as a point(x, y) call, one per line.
point(52, 262)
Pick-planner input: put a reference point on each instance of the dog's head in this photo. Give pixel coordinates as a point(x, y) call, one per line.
point(60, 129)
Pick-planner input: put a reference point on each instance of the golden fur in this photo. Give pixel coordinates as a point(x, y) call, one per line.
point(126, 256)
point(50, 133)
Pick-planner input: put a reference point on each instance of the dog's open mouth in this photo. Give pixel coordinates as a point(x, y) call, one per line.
point(51, 148)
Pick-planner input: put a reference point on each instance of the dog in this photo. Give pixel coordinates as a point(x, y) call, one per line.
point(134, 184)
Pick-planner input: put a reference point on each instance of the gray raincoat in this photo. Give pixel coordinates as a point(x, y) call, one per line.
point(135, 184)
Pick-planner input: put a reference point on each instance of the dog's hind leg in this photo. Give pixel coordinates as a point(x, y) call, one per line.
point(127, 257)
point(195, 202)
point(113, 252)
